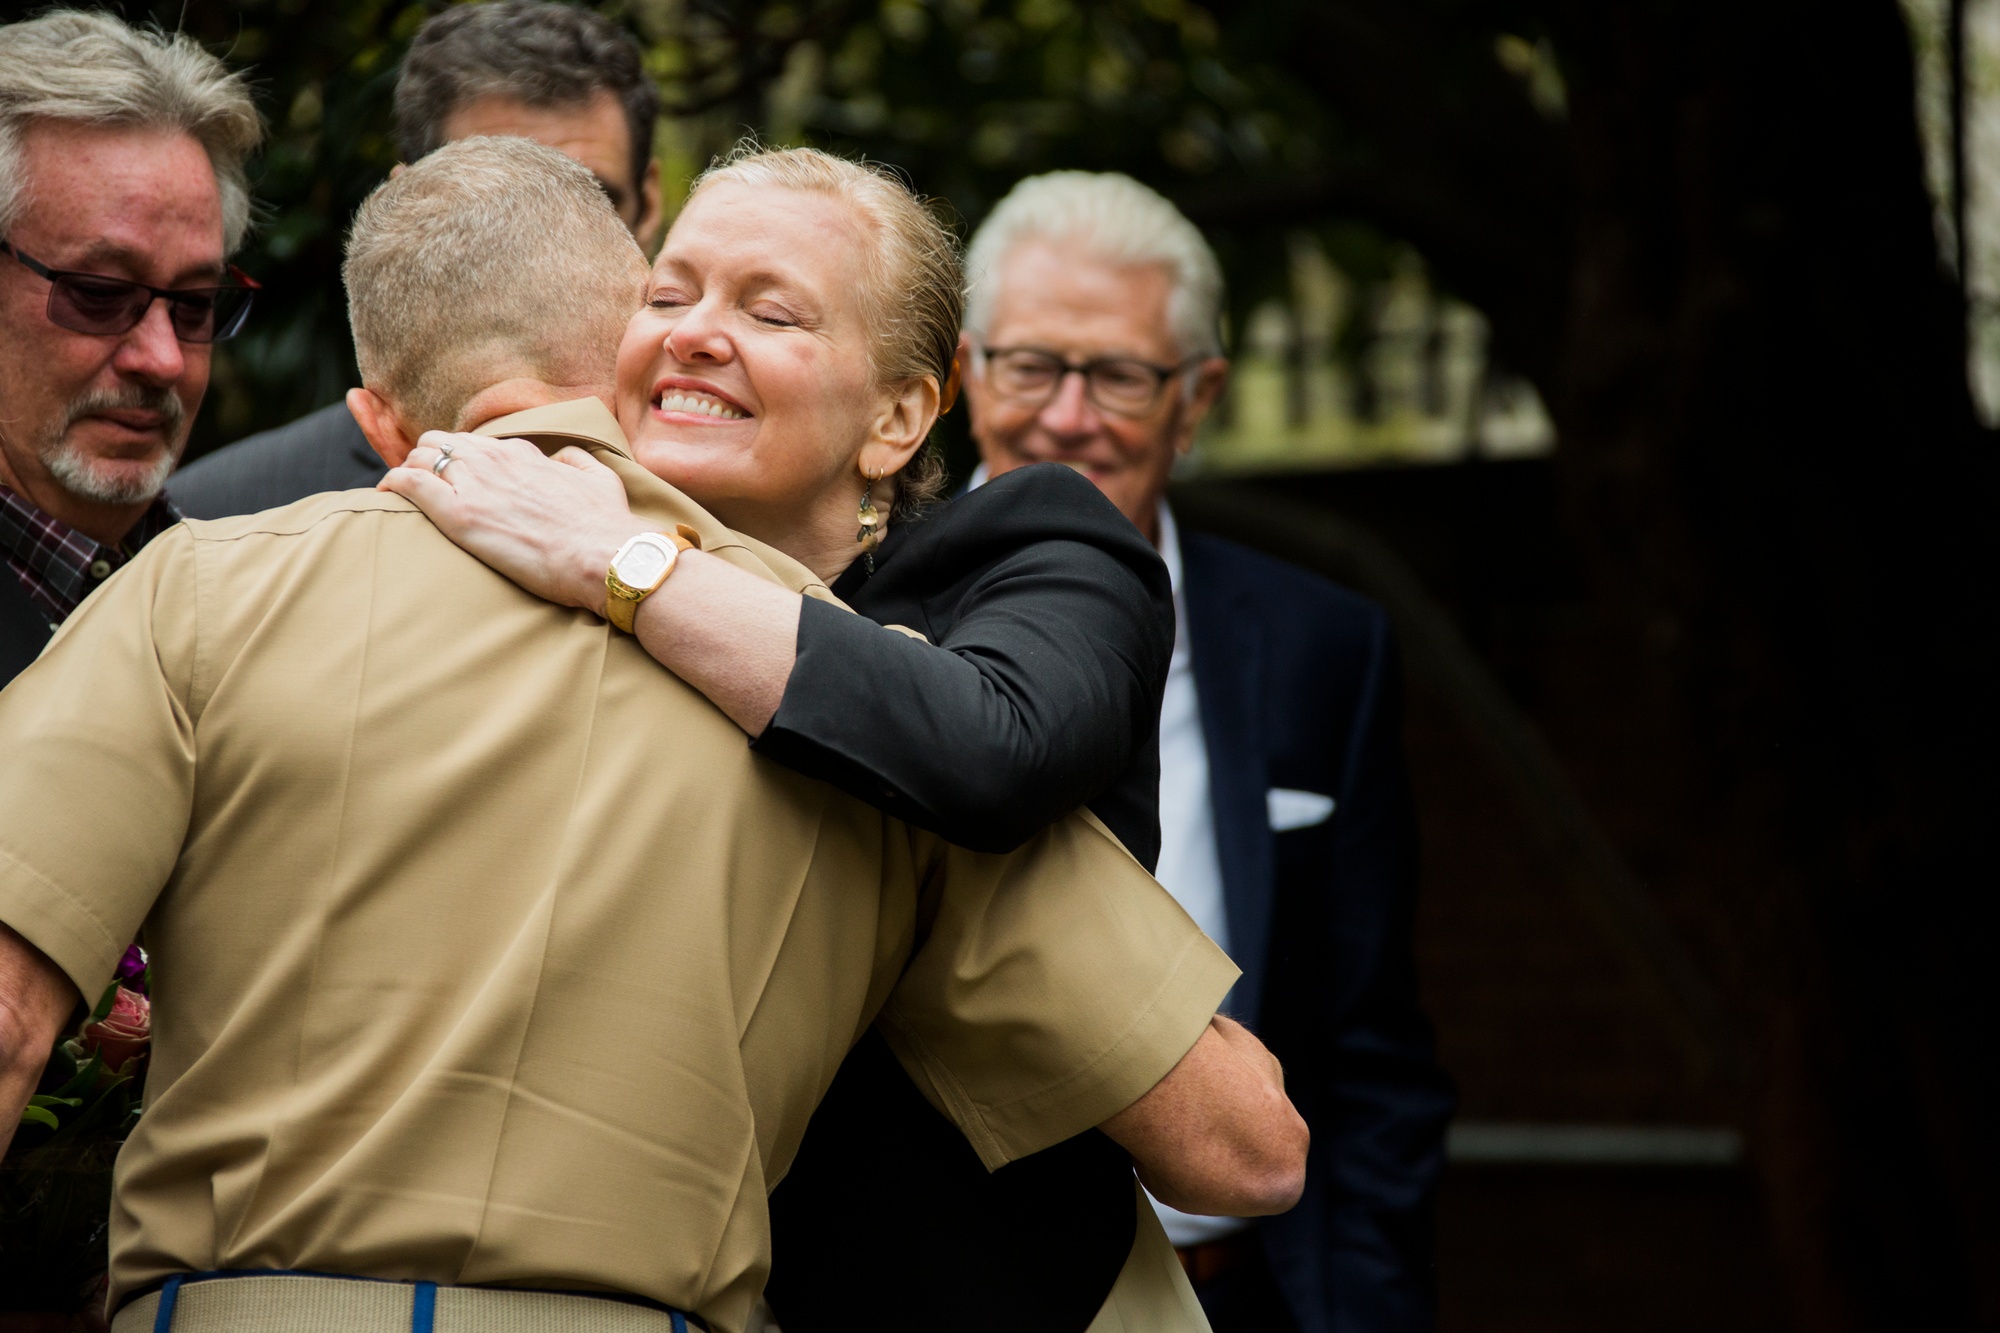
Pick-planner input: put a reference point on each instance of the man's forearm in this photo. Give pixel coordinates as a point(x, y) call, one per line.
point(1217, 1135)
point(35, 998)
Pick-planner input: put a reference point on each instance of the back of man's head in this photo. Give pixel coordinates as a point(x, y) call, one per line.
point(491, 259)
point(93, 69)
point(528, 51)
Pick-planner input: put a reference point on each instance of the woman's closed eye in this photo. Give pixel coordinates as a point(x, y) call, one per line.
point(668, 299)
point(777, 316)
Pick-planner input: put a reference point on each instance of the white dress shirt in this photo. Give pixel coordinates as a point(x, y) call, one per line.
point(1190, 866)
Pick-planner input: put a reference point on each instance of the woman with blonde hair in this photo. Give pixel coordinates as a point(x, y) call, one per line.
point(794, 351)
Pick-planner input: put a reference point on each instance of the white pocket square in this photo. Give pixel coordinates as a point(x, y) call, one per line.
point(1290, 809)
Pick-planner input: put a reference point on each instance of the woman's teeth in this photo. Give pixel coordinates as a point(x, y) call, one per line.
point(699, 404)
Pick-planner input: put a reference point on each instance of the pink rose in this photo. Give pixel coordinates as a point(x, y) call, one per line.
point(123, 1033)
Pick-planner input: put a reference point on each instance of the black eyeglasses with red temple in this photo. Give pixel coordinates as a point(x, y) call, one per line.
point(108, 307)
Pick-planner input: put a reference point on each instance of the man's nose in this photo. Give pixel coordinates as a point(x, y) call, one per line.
point(151, 351)
point(1070, 414)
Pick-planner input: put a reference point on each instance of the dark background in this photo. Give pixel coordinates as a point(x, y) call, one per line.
point(1702, 703)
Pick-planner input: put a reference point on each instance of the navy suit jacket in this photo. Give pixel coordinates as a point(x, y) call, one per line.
point(1299, 687)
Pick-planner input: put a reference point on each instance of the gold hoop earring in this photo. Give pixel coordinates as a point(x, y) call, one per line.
point(870, 535)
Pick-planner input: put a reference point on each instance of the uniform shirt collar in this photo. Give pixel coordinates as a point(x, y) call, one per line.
point(584, 421)
point(59, 566)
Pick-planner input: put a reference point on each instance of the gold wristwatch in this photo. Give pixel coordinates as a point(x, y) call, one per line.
point(640, 567)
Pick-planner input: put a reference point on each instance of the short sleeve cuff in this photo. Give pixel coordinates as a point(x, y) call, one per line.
point(36, 908)
point(1161, 1031)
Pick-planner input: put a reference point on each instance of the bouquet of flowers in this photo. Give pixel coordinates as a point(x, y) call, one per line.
point(55, 1182)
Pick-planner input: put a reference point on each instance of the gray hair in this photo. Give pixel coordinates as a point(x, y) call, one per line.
point(1111, 216)
point(541, 54)
point(492, 256)
point(93, 69)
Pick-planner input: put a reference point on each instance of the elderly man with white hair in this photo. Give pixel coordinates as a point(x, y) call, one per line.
point(1092, 338)
point(122, 195)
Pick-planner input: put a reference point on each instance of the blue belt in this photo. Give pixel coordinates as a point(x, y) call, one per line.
point(423, 1306)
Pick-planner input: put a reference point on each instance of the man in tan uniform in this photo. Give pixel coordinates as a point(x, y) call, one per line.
point(486, 956)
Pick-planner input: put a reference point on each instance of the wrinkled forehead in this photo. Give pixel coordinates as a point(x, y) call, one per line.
point(130, 200)
point(1061, 293)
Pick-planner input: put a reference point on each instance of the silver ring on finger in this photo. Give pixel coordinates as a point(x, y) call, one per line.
point(437, 468)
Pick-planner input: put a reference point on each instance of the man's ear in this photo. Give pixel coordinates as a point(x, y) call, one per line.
point(1210, 378)
point(379, 422)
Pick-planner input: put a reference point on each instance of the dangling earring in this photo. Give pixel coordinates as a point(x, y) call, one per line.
point(870, 535)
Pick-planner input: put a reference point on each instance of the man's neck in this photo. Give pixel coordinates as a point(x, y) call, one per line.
point(519, 394)
point(102, 523)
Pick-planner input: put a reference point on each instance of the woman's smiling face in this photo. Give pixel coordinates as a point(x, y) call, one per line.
point(746, 380)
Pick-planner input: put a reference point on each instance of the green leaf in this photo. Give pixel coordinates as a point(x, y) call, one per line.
point(46, 1099)
point(104, 1003)
point(35, 1115)
point(84, 1079)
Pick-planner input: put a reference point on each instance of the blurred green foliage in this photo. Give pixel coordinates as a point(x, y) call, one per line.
point(965, 96)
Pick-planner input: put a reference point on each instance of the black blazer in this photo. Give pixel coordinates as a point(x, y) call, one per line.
point(1059, 621)
point(323, 451)
point(1300, 689)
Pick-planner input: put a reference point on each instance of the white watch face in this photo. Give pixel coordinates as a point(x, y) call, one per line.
point(642, 564)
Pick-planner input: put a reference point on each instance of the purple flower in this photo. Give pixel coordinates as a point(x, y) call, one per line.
point(132, 970)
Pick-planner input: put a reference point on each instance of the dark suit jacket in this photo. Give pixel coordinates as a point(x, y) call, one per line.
point(323, 451)
point(24, 627)
point(1299, 688)
point(1059, 621)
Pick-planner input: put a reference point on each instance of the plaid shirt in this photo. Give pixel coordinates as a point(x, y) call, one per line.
point(59, 565)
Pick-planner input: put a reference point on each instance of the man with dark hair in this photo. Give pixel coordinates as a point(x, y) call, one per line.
point(558, 74)
point(563, 76)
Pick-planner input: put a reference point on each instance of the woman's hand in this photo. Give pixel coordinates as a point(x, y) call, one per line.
point(549, 523)
point(552, 524)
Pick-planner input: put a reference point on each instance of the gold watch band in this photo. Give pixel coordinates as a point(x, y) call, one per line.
point(621, 599)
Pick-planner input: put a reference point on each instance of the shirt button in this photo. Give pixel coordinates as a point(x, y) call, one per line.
point(100, 569)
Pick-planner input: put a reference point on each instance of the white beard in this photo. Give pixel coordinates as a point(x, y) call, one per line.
point(105, 481)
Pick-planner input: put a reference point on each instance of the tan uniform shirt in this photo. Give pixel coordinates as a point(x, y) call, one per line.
point(487, 952)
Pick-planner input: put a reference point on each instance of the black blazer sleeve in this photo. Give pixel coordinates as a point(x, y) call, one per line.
point(1050, 625)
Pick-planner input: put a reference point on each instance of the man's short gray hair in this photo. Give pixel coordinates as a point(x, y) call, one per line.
point(1111, 216)
point(492, 257)
point(93, 69)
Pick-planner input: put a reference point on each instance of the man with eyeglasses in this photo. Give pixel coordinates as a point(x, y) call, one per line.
point(559, 74)
point(121, 196)
point(1093, 339)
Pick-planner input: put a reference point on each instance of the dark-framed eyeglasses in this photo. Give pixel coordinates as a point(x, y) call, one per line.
point(107, 307)
point(1031, 377)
